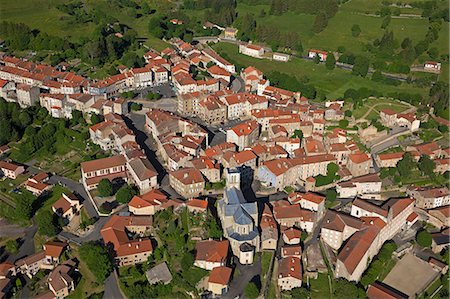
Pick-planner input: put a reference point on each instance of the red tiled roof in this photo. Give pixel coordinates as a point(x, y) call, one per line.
point(104, 163)
point(212, 251)
point(220, 275)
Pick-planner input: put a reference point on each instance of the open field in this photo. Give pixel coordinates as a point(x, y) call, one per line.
point(43, 15)
point(333, 83)
point(371, 108)
point(338, 31)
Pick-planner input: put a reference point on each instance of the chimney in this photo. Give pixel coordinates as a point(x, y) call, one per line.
point(137, 246)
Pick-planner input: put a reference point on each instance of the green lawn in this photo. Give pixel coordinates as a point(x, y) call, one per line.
point(378, 105)
point(266, 257)
point(320, 287)
point(331, 83)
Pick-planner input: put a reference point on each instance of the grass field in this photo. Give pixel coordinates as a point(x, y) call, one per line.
point(376, 106)
point(333, 84)
point(43, 15)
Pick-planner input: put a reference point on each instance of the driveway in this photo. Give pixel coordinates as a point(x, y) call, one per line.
point(247, 273)
point(94, 235)
point(112, 290)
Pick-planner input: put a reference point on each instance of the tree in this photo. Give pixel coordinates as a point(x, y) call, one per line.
point(405, 165)
point(424, 238)
point(297, 134)
point(345, 289)
point(331, 195)
point(125, 194)
point(330, 63)
point(12, 246)
point(95, 119)
point(97, 260)
point(105, 188)
point(361, 66)
point(343, 123)
point(348, 113)
point(356, 30)
point(135, 106)
point(251, 291)
point(47, 223)
point(386, 22)
point(426, 165)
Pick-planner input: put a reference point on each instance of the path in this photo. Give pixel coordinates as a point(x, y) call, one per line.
point(112, 289)
point(363, 118)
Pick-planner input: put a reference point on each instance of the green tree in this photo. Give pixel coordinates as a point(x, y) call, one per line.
point(405, 165)
point(348, 113)
point(95, 119)
point(424, 238)
point(97, 260)
point(136, 106)
point(330, 63)
point(251, 291)
point(426, 165)
point(47, 223)
point(386, 22)
point(297, 134)
point(361, 66)
point(356, 30)
point(125, 194)
point(105, 188)
point(345, 289)
point(331, 195)
point(12, 246)
point(343, 123)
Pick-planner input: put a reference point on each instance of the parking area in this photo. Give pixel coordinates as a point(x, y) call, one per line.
point(411, 275)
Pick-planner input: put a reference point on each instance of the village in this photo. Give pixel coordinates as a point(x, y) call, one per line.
point(240, 188)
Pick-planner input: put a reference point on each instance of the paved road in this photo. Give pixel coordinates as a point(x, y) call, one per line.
point(112, 290)
point(94, 235)
point(247, 273)
point(27, 246)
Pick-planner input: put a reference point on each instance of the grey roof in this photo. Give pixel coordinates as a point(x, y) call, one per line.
point(240, 237)
point(234, 196)
point(159, 273)
point(241, 217)
point(246, 247)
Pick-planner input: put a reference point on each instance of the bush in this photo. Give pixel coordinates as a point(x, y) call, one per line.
point(105, 188)
point(136, 107)
point(424, 238)
point(125, 194)
point(48, 223)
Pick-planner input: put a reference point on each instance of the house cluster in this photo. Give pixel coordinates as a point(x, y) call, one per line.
point(439, 155)
point(389, 118)
point(62, 92)
point(61, 280)
point(119, 167)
